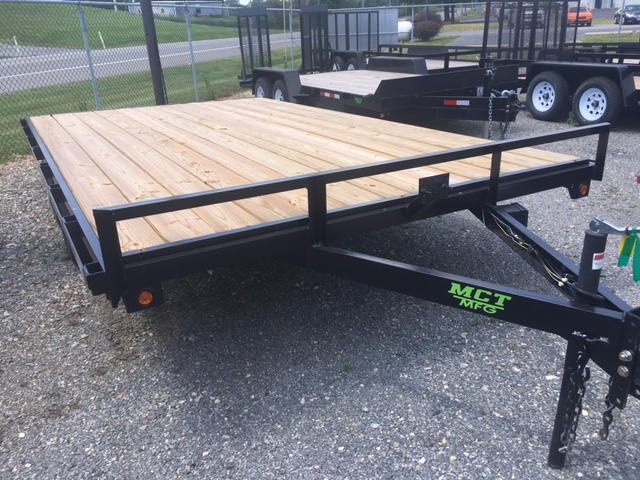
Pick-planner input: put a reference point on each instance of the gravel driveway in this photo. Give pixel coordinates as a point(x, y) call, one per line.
point(270, 371)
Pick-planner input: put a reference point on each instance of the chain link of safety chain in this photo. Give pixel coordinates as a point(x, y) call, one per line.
point(575, 394)
point(607, 415)
point(491, 115)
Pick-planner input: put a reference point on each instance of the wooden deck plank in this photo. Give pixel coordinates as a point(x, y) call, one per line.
point(392, 133)
point(356, 82)
point(272, 164)
point(366, 82)
point(134, 182)
point(347, 153)
point(172, 177)
point(191, 165)
point(397, 139)
point(91, 186)
point(301, 146)
point(114, 157)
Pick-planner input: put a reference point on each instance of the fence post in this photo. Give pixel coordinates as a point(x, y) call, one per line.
point(87, 48)
point(293, 60)
point(193, 58)
point(152, 51)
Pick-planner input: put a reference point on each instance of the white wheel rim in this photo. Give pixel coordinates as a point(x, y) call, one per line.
point(278, 95)
point(351, 66)
point(544, 96)
point(260, 93)
point(592, 104)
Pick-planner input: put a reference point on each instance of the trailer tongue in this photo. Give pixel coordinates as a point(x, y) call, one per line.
point(144, 195)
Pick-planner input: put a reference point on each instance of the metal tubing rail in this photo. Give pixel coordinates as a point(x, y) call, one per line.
point(605, 297)
point(562, 318)
point(107, 218)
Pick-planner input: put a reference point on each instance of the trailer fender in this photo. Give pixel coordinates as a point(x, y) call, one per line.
point(278, 84)
point(398, 64)
point(349, 60)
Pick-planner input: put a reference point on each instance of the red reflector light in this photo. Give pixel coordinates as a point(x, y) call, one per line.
point(457, 103)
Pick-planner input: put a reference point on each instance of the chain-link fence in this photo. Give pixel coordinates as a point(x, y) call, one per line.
point(62, 56)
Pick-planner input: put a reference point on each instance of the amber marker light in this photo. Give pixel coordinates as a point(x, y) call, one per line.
point(145, 298)
point(584, 189)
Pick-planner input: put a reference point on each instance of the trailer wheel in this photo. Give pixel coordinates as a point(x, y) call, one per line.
point(548, 96)
point(597, 99)
point(264, 87)
point(352, 64)
point(280, 91)
point(338, 64)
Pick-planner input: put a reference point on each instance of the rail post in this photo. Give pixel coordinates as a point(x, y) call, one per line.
point(568, 401)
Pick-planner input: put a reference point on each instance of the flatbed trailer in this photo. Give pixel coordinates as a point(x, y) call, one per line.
point(596, 82)
point(406, 88)
point(401, 89)
point(144, 195)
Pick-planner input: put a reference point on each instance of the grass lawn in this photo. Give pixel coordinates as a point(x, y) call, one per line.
point(216, 80)
point(59, 26)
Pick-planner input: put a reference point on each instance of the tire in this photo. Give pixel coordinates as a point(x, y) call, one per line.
point(338, 64)
point(264, 88)
point(596, 100)
point(588, 24)
point(548, 96)
point(280, 92)
point(352, 64)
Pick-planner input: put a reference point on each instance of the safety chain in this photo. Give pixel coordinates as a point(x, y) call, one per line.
point(505, 130)
point(607, 415)
point(577, 388)
point(491, 115)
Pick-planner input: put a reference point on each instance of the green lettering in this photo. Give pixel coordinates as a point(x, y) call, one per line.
point(457, 290)
point(501, 299)
point(478, 294)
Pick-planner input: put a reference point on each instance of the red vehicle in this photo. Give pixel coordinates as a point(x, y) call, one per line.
point(580, 16)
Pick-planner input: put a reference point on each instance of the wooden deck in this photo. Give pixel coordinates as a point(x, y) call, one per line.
point(364, 82)
point(116, 157)
point(355, 82)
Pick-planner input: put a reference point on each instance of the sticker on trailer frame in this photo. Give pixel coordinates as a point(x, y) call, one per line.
point(330, 95)
point(598, 261)
point(478, 298)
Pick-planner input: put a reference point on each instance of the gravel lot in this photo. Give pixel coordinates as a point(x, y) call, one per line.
point(270, 371)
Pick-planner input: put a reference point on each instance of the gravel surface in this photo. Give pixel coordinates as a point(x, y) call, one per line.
point(271, 371)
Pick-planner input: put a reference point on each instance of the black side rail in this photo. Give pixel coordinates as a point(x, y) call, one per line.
point(114, 263)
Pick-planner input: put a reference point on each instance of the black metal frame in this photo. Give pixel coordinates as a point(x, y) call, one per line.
point(314, 39)
point(592, 320)
point(108, 270)
point(255, 48)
